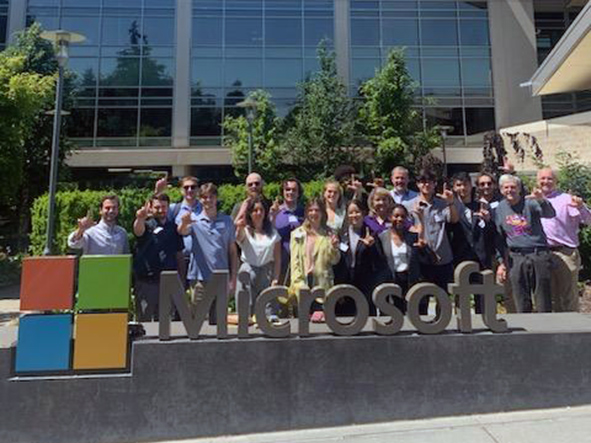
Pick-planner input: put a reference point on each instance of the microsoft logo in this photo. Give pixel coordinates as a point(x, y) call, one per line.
point(81, 323)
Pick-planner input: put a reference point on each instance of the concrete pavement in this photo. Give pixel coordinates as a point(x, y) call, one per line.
point(568, 425)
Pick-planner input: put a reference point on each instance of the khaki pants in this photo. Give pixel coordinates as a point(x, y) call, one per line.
point(566, 263)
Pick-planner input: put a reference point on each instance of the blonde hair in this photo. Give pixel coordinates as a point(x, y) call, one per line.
point(379, 192)
point(337, 185)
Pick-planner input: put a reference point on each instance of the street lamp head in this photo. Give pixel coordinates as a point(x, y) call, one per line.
point(250, 105)
point(62, 39)
point(445, 130)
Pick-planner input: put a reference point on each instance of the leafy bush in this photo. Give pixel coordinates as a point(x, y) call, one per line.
point(73, 204)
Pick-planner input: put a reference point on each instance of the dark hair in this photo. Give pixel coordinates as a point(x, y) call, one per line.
point(344, 171)
point(160, 197)
point(461, 176)
point(399, 206)
point(323, 216)
point(298, 183)
point(426, 175)
point(113, 197)
point(252, 202)
point(486, 174)
point(359, 203)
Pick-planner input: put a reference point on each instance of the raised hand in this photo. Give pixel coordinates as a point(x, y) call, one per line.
point(536, 194)
point(576, 202)
point(143, 212)
point(483, 214)
point(275, 206)
point(334, 240)
point(447, 195)
point(85, 222)
point(368, 240)
point(186, 219)
point(161, 185)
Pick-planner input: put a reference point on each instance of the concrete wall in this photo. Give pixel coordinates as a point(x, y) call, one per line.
point(514, 61)
point(183, 389)
point(571, 134)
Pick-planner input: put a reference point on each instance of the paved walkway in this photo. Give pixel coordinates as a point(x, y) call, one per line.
point(568, 425)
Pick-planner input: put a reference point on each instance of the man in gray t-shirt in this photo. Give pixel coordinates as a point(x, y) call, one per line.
point(431, 214)
point(519, 223)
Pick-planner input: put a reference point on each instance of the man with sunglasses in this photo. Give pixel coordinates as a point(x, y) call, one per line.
point(254, 187)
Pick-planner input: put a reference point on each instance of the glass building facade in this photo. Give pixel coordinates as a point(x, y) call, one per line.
point(125, 71)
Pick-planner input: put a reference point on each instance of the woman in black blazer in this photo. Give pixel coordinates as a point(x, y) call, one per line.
point(400, 248)
point(360, 259)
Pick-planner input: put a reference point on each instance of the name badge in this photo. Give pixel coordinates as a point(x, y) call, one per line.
point(158, 230)
point(481, 224)
point(438, 218)
point(344, 247)
point(293, 219)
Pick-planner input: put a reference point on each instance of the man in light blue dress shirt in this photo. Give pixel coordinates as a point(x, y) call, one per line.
point(104, 237)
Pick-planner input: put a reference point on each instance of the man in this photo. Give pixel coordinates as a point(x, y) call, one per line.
point(213, 239)
point(104, 238)
point(254, 187)
point(473, 237)
point(562, 233)
point(431, 214)
point(401, 194)
point(159, 248)
point(485, 184)
point(350, 182)
point(519, 222)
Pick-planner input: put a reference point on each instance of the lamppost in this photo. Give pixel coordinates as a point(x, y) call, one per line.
point(61, 39)
point(250, 105)
point(444, 130)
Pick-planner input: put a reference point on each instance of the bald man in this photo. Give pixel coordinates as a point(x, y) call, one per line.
point(562, 232)
point(254, 187)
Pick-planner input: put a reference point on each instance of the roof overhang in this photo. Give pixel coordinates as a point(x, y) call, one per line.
point(568, 67)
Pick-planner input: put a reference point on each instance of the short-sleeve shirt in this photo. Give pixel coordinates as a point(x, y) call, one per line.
point(211, 240)
point(184, 207)
point(286, 221)
point(436, 216)
point(521, 224)
point(157, 249)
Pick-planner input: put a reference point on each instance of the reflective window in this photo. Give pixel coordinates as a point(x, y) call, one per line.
point(400, 32)
point(476, 72)
point(121, 31)
point(80, 123)
point(365, 32)
point(281, 31)
point(474, 32)
point(245, 72)
point(158, 30)
point(452, 117)
point(117, 122)
point(441, 72)
point(244, 31)
point(207, 31)
point(439, 32)
point(479, 120)
point(206, 122)
point(155, 122)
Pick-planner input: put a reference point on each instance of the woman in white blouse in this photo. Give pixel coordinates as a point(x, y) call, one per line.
point(261, 253)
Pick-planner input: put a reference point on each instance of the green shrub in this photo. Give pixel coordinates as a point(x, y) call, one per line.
point(74, 204)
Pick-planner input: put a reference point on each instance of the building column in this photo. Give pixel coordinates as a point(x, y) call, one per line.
point(342, 35)
point(181, 111)
point(514, 61)
point(17, 18)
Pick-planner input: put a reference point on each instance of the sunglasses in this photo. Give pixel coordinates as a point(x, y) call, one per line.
point(189, 187)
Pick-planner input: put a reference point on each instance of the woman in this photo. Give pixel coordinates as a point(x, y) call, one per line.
point(380, 204)
point(360, 260)
point(261, 253)
point(335, 209)
point(313, 253)
point(289, 215)
point(401, 247)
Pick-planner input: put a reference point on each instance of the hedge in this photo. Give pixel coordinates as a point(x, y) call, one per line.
point(74, 204)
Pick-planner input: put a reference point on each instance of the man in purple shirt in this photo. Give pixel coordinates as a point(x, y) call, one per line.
point(562, 233)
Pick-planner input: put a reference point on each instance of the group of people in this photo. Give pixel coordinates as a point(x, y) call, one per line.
point(353, 235)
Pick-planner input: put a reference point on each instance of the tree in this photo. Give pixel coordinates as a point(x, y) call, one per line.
point(389, 119)
point(265, 128)
point(320, 128)
point(26, 90)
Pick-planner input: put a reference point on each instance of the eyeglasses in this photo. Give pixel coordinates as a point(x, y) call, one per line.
point(253, 184)
point(189, 187)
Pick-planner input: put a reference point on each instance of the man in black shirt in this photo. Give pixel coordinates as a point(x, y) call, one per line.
point(159, 248)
